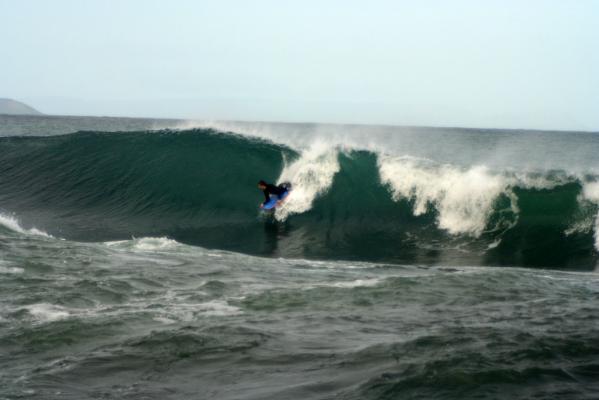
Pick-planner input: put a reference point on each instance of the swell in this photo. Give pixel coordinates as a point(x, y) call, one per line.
point(198, 186)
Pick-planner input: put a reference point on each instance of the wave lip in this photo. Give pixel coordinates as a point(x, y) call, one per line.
point(590, 192)
point(13, 224)
point(311, 175)
point(464, 199)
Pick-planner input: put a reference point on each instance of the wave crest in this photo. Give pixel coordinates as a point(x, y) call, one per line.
point(311, 175)
point(463, 198)
point(198, 187)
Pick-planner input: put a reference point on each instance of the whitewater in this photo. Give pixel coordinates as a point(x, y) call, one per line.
point(407, 263)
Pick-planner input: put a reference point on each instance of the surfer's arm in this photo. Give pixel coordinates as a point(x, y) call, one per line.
point(266, 196)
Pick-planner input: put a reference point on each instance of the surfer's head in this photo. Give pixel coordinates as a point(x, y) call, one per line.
point(262, 185)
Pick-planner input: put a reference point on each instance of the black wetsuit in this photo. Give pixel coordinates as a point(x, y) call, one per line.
point(272, 189)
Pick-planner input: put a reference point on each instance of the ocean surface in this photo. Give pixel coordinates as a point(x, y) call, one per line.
point(407, 263)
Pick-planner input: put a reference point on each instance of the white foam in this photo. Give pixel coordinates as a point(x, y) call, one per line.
point(11, 270)
point(464, 198)
point(218, 308)
point(152, 243)
point(357, 283)
point(494, 244)
point(583, 225)
point(164, 320)
point(177, 310)
point(540, 181)
point(47, 312)
point(590, 192)
point(146, 244)
point(14, 225)
point(311, 175)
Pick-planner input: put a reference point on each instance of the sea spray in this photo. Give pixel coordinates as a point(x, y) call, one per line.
point(311, 175)
point(463, 198)
point(591, 192)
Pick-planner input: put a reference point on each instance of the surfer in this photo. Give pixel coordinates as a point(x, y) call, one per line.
point(281, 191)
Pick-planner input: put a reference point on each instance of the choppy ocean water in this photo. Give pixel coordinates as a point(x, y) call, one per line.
point(409, 262)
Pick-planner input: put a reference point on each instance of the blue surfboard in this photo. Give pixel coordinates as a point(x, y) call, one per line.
point(272, 203)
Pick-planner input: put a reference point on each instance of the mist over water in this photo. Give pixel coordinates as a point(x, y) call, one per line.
point(406, 263)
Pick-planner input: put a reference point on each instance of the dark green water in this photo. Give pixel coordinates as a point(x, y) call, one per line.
point(400, 268)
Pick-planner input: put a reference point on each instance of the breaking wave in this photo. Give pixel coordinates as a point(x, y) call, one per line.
point(198, 186)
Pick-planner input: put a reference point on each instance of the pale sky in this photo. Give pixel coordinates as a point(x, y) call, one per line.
point(497, 64)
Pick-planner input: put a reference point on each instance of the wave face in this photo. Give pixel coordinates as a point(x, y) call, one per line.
point(198, 186)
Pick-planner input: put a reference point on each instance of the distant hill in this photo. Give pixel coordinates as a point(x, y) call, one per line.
point(10, 106)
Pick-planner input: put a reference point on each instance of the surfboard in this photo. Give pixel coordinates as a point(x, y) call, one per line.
point(274, 199)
